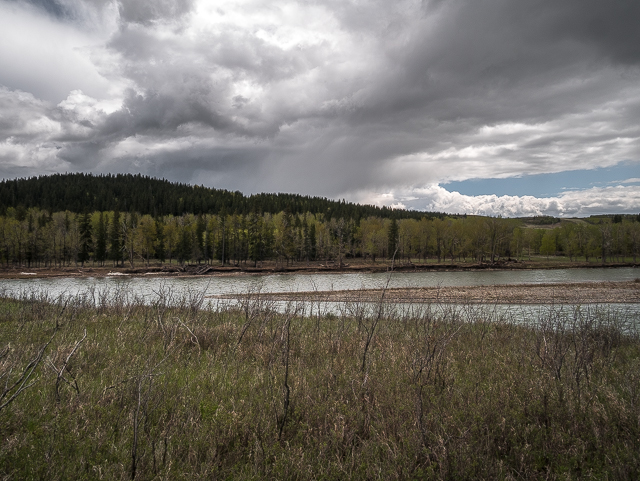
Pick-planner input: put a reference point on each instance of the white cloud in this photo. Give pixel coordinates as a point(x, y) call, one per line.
point(576, 203)
point(634, 180)
point(48, 58)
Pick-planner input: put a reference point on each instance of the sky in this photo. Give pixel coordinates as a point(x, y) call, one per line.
point(491, 107)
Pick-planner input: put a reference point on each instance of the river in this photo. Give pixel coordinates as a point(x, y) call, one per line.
point(148, 289)
point(149, 286)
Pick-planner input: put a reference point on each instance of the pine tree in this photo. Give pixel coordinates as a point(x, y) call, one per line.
point(268, 238)
point(392, 240)
point(254, 238)
point(145, 195)
point(185, 245)
point(222, 245)
point(65, 233)
point(86, 239)
point(101, 240)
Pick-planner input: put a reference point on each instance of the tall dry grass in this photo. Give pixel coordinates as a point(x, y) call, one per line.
point(173, 389)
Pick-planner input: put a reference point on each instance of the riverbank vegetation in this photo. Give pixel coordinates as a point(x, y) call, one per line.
point(102, 387)
point(128, 220)
point(36, 238)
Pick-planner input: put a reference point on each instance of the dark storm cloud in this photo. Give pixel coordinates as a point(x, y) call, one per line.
point(502, 60)
point(211, 165)
point(611, 27)
point(161, 114)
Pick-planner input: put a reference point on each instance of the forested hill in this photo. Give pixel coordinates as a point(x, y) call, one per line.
point(137, 193)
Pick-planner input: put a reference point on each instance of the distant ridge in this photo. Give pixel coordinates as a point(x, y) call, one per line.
point(79, 192)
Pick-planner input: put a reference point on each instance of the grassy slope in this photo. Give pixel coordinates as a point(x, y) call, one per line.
point(188, 393)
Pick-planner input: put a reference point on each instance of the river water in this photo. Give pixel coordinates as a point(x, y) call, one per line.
point(147, 287)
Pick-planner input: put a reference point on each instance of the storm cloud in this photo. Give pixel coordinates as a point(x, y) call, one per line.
point(379, 102)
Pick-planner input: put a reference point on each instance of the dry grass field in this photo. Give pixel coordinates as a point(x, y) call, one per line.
point(180, 391)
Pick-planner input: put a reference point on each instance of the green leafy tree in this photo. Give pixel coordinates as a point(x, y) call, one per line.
point(160, 249)
point(172, 237)
point(548, 246)
point(605, 231)
point(129, 229)
point(145, 238)
point(285, 246)
point(115, 239)
point(517, 242)
point(254, 238)
point(199, 244)
point(210, 238)
point(340, 231)
point(313, 243)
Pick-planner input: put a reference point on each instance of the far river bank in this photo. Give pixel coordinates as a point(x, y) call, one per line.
point(269, 268)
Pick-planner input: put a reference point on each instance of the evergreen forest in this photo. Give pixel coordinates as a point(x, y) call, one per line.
point(80, 193)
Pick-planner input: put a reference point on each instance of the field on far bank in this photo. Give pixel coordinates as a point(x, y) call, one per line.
point(132, 391)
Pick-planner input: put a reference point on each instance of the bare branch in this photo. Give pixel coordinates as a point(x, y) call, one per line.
point(10, 393)
point(60, 371)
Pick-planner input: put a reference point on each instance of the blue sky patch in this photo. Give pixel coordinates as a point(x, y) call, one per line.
point(550, 185)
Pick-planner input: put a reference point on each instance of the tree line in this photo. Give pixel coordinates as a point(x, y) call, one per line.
point(36, 237)
point(79, 193)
